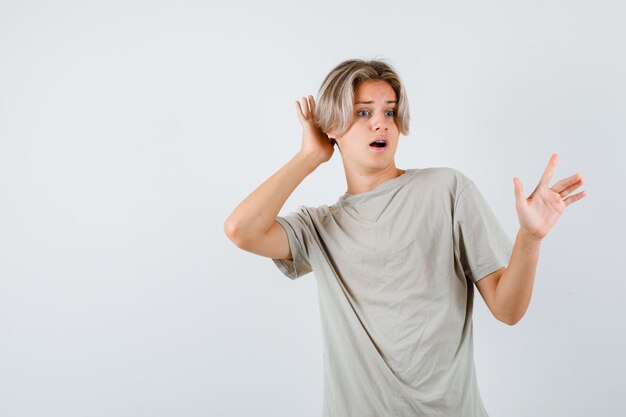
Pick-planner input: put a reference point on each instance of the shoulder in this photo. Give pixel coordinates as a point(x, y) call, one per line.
point(309, 214)
point(444, 178)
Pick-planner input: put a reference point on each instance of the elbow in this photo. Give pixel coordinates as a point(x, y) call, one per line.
point(240, 237)
point(510, 320)
point(230, 230)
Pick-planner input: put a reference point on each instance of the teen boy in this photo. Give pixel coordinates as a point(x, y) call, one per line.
point(397, 256)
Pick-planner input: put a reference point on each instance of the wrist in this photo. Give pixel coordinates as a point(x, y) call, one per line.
point(308, 160)
point(529, 236)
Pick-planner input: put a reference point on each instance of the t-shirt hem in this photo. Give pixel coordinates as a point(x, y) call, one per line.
point(289, 267)
point(483, 272)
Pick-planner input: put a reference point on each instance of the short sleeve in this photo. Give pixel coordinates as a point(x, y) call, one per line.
point(298, 225)
point(480, 241)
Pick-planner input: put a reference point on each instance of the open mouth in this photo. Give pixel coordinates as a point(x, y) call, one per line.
point(379, 143)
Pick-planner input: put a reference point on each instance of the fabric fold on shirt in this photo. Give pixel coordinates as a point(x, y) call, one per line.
point(395, 270)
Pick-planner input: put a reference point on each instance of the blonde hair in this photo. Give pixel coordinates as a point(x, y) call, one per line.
point(335, 99)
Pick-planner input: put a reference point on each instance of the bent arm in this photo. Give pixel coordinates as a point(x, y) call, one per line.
point(515, 287)
point(252, 224)
point(508, 290)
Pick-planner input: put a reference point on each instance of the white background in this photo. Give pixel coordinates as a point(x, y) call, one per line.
point(129, 131)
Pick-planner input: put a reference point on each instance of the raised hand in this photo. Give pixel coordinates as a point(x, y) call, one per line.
point(540, 211)
point(314, 141)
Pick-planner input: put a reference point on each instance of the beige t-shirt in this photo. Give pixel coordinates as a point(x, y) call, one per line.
point(395, 268)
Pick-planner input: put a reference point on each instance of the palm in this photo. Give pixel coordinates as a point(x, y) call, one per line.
point(541, 210)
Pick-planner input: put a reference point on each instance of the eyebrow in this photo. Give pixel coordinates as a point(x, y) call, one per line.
point(370, 102)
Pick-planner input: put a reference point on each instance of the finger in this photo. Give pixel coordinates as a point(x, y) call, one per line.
point(519, 190)
point(547, 174)
point(305, 107)
point(573, 198)
point(312, 102)
point(299, 111)
point(568, 190)
point(566, 182)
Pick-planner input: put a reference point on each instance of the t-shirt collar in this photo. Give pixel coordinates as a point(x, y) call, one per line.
point(381, 188)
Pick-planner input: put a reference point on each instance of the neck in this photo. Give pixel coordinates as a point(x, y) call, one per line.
point(362, 182)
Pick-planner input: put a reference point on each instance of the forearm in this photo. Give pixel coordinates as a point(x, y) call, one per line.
point(515, 286)
point(257, 212)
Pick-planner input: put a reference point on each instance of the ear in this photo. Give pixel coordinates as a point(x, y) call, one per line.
point(333, 137)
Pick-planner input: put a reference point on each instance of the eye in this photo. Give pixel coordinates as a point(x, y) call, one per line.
point(393, 112)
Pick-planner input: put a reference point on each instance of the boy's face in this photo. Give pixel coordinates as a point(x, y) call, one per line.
point(373, 118)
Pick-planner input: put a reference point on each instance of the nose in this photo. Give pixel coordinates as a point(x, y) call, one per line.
point(380, 121)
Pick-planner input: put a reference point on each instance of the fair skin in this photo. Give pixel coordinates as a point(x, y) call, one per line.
point(507, 291)
point(373, 113)
point(252, 226)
